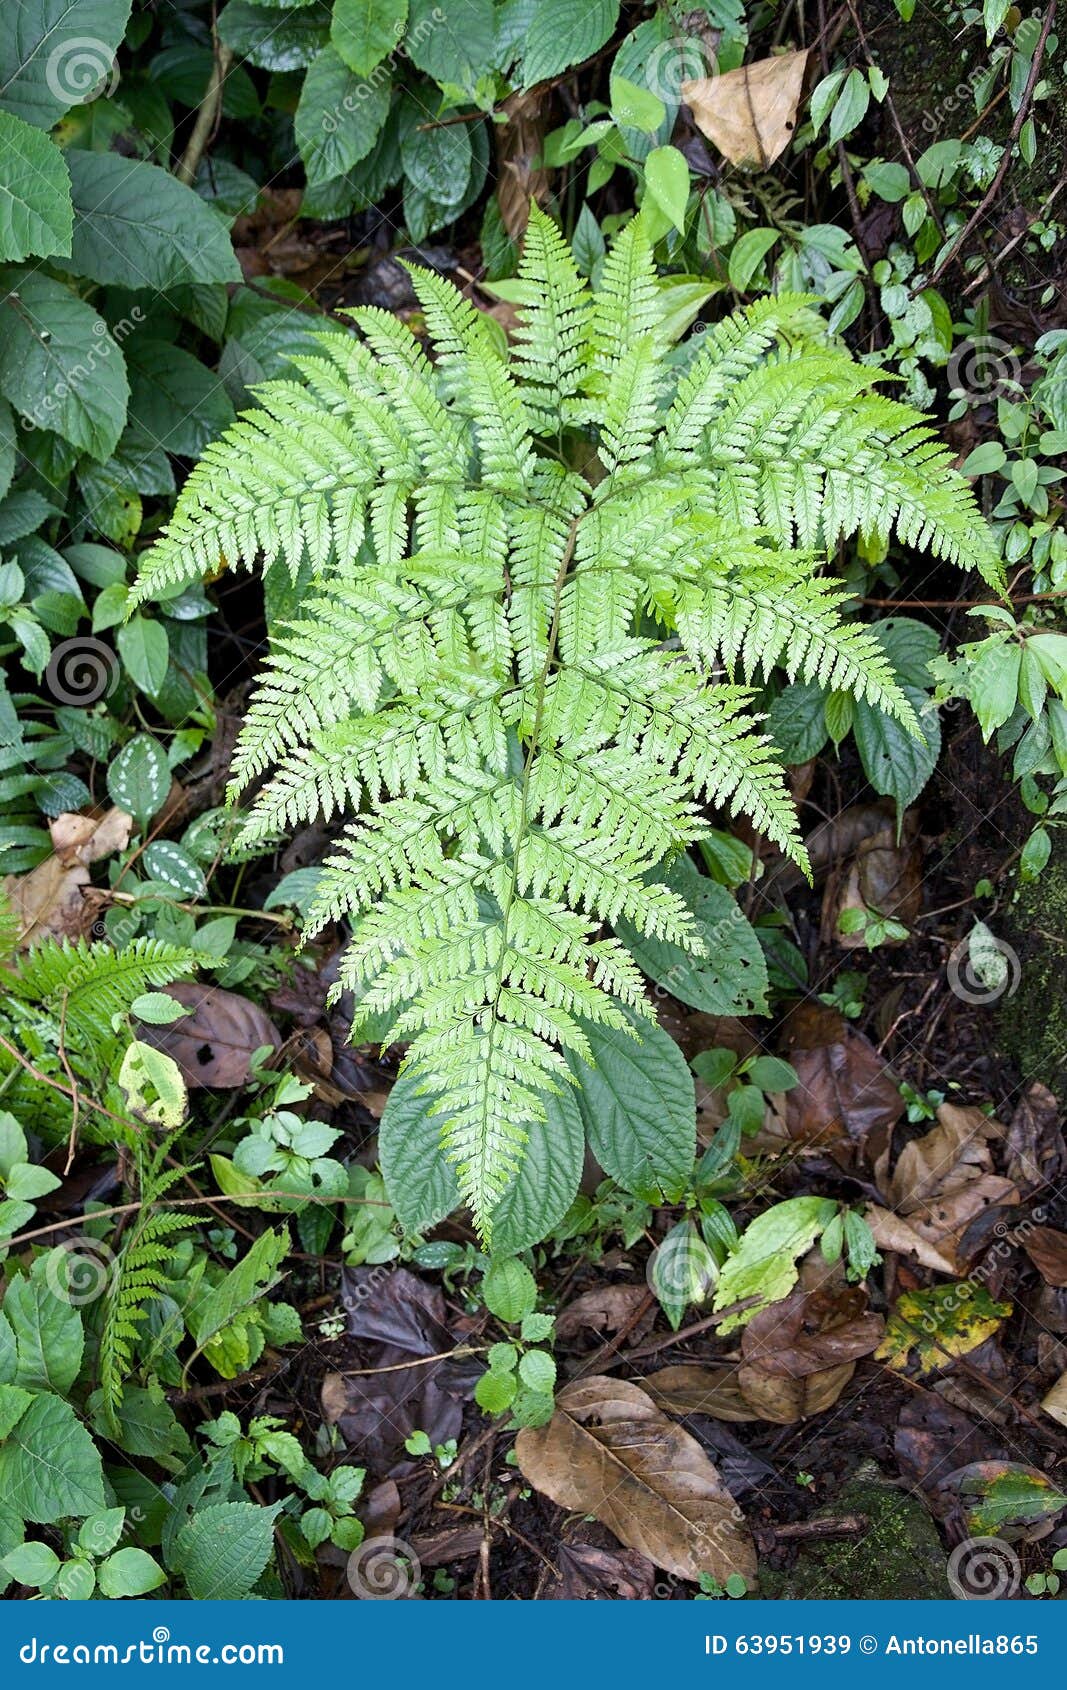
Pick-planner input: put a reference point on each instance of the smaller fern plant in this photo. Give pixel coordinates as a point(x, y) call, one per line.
point(537, 584)
point(139, 1273)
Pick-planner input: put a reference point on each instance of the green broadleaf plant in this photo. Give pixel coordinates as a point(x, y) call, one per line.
point(538, 582)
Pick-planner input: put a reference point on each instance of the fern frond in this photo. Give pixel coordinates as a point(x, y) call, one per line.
point(479, 677)
point(92, 983)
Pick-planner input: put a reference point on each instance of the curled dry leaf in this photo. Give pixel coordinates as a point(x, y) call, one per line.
point(50, 901)
point(944, 1180)
point(213, 1046)
point(799, 1354)
point(521, 176)
point(608, 1451)
point(751, 113)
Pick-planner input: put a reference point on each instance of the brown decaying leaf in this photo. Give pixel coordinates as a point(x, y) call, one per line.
point(750, 114)
point(800, 1353)
point(847, 1101)
point(893, 1233)
point(213, 1045)
point(609, 1451)
point(1047, 1249)
point(520, 175)
point(602, 1310)
point(880, 878)
point(944, 1180)
point(688, 1389)
point(589, 1574)
point(1036, 1151)
point(50, 902)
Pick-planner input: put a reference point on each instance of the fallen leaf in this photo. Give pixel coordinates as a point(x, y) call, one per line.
point(213, 1046)
point(1036, 1151)
point(883, 877)
point(930, 1439)
point(1047, 1249)
point(688, 1389)
point(846, 1101)
point(750, 114)
point(608, 1451)
point(799, 1354)
point(943, 1180)
point(892, 1232)
point(603, 1310)
point(1007, 1499)
point(49, 902)
point(939, 1324)
point(589, 1574)
point(1054, 1402)
point(521, 177)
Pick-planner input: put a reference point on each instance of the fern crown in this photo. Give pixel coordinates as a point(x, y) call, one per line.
point(534, 584)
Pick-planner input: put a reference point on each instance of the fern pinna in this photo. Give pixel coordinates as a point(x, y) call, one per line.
point(536, 578)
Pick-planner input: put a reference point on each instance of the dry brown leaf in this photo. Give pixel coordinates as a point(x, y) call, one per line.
point(751, 113)
point(603, 1310)
point(49, 902)
point(608, 1451)
point(1047, 1249)
point(521, 176)
point(699, 1390)
point(1036, 1152)
point(952, 1153)
point(847, 1101)
point(800, 1353)
point(213, 1046)
point(880, 878)
point(590, 1574)
point(893, 1232)
point(1054, 1402)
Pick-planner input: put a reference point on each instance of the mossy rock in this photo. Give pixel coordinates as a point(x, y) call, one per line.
point(1032, 1020)
point(899, 1556)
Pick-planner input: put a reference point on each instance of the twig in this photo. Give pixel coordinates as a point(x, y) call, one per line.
point(1010, 246)
point(1002, 169)
point(72, 1140)
point(208, 114)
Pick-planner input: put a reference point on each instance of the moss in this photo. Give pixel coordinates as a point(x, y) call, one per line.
point(1032, 1021)
point(898, 1556)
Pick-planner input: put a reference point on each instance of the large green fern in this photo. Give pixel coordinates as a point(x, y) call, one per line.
point(519, 673)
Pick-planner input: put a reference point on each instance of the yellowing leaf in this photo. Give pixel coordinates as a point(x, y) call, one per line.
point(946, 1321)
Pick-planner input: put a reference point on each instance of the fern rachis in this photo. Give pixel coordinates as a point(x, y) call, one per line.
point(515, 670)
